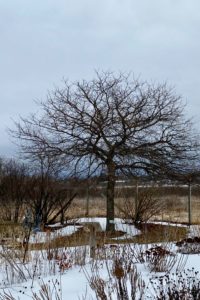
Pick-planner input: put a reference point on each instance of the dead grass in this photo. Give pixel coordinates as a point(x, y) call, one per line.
point(156, 233)
point(10, 233)
point(175, 211)
point(150, 233)
point(175, 207)
point(97, 207)
point(78, 238)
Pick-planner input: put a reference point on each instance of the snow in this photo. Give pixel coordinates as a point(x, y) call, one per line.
point(168, 223)
point(73, 286)
point(42, 237)
point(73, 282)
point(129, 229)
point(101, 221)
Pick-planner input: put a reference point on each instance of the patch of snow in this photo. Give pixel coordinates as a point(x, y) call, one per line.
point(194, 230)
point(167, 223)
point(101, 221)
point(42, 237)
point(129, 229)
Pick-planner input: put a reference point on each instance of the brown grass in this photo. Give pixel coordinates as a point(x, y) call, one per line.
point(175, 211)
point(150, 233)
point(175, 208)
point(155, 233)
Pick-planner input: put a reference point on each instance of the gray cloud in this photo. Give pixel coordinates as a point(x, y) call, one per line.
point(44, 41)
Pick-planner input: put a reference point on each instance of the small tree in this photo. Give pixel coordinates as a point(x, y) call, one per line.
point(112, 122)
point(47, 194)
point(13, 188)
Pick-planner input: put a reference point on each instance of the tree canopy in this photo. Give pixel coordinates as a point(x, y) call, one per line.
point(114, 122)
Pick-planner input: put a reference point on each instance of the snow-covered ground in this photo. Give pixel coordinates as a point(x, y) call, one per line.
point(72, 281)
point(129, 229)
point(42, 237)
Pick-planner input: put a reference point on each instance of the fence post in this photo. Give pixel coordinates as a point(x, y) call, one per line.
point(92, 241)
point(189, 203)
point(87, 200)
point(136, 199)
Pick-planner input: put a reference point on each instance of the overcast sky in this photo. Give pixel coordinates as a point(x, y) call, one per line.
point(43, 41)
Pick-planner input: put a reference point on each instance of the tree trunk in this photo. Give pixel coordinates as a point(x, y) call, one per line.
point(110, 226)
point(137, 214)
point(87, 201)
point(16, 213)
point(189, 203)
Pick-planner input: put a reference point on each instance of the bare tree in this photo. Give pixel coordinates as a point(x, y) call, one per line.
point(112, 122)
point(13, 188)
point(47, 194)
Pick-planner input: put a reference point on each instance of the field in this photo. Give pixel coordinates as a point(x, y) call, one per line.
point(173, 201)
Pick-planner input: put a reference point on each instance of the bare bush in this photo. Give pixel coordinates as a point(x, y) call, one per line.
point(149, 204)
point(12, 189)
